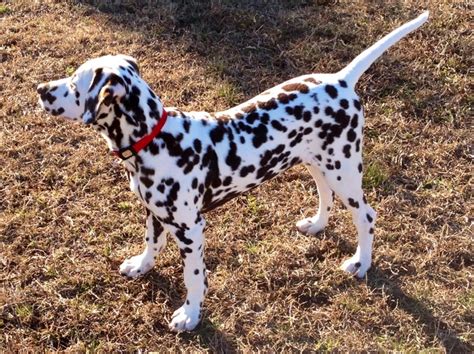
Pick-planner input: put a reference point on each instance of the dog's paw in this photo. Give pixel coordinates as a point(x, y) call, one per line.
point(311, 226)
point(356, 266)
point(186, 318)
point(136, 266)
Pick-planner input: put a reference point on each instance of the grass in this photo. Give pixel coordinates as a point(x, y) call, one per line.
point(228, 93)
point(374, 175)
point(68, 219)
point(4, 9)
point(70, 70)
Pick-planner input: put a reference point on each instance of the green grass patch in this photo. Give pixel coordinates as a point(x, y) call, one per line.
point(70, 70)
point(107, 250)
point(4, 9)
point(253, 205)
point(229, 93)
point(51, 271)
point(125, 206)
point(467, 300)
point(374, 175)
point(328, 345)
point(252, 248)
point(24, 312)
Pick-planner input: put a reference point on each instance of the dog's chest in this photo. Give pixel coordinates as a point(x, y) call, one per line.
point(134, 185)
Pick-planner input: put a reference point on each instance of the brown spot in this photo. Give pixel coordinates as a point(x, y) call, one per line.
point(249, 108)
point(268, 105)
point(296, 87)
point(312, 80)
point(223, 118)
point(283, 98)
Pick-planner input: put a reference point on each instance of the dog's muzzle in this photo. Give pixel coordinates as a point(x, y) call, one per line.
point(42, 89)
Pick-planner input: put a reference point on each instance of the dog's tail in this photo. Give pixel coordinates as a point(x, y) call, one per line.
point(364, 60)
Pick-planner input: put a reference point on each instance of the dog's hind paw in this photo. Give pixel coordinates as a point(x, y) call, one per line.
point(356, 266)
point(186, 318)
point(311, 226)
point(137, 265)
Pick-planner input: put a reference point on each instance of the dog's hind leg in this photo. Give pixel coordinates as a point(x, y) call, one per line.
point(191, 244)
point(318, 222)
point(363, 217)
point(155, 242)
point(349, 189)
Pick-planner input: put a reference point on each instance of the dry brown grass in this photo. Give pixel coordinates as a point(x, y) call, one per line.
point(68, 218)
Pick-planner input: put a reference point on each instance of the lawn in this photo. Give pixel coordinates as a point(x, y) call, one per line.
point(68, 218)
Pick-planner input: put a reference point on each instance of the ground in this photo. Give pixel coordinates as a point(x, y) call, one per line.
point(68, 218)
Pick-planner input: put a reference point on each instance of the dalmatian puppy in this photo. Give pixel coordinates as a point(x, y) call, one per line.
point(183, 164)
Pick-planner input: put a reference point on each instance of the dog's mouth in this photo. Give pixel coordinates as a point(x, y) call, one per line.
point(41, 104)
point(54, 112)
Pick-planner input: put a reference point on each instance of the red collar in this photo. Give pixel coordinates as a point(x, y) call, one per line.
point(127, 152)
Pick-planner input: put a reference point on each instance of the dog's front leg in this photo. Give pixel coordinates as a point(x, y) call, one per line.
point(191, 245)
point(155, 242)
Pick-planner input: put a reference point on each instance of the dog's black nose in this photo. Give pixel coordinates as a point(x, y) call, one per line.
point(42, 89)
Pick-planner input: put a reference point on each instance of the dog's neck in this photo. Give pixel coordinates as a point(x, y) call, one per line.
point(131, 118)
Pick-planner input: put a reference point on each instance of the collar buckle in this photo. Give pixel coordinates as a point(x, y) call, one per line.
point(124, 153)
point(132, 150)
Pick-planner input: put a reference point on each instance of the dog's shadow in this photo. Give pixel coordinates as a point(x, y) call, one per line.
point(206, 333)
point(209, 336)
point(433, 327)
point(380, 282)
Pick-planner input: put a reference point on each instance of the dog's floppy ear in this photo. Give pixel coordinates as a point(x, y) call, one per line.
point(132, 62)
point(105, 88)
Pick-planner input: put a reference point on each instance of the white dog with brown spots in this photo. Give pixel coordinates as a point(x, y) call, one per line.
point(182, 164)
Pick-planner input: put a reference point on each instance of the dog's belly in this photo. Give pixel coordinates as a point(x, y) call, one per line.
point(240, 167)
point(215, 197)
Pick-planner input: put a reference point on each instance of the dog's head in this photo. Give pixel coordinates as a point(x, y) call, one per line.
point(88, 94)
